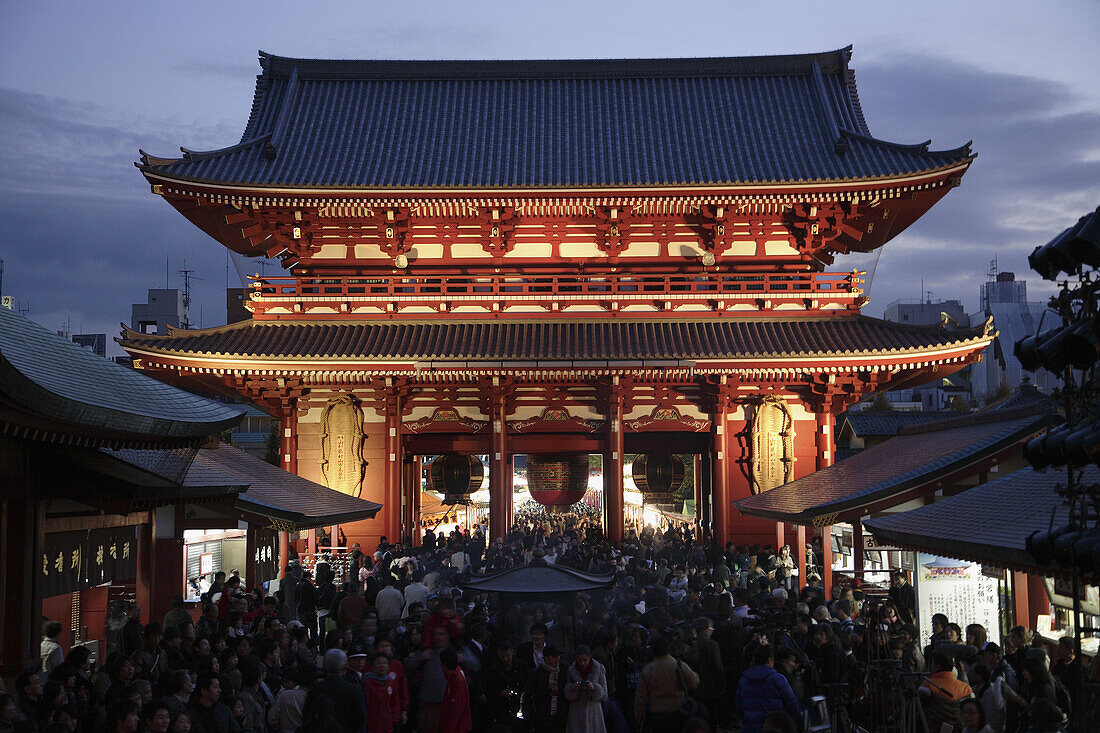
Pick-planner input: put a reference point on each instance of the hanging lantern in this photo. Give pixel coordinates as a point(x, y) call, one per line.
point(557, 481)
point(658, 476)
point(456, 477)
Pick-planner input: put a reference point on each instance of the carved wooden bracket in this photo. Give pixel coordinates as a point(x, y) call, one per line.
point(497, 230)
point(278, 395)
point(394, 227)
point(613, 229)
point(713, 224)
point(821, 230)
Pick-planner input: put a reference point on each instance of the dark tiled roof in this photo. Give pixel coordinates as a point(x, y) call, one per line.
point(1025, 395)
point(388, 124)
point(48, 376)
point(899, 465)
point(877, 424)
point(537, 578)
point(557, 340)
point(289, 501)
point(988, 523)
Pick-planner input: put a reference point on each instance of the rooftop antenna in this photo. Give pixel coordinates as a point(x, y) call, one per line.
point(188, 276)
point(993, 269)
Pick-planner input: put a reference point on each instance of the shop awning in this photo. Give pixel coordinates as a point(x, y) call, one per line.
point(279, 498)
point(920, 460)
point(988, 524)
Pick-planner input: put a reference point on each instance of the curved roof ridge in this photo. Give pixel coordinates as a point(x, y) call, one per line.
point(195, 155)
point(963, 151)
point(835, 61)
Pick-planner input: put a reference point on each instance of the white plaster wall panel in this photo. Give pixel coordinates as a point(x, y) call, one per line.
point(468, 250)
point(541, 250)
point(331, 252)
point(370, 252)
point(779, 248)
point(642, 249)
point(581, 250)
point(425, 250)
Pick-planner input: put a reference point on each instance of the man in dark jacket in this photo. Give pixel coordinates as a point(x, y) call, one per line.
point(711, 670)
point(544, 703)
point(208, 715)
point(334, 700)
point(826, 654)
point(505, 679)
point(763, 690)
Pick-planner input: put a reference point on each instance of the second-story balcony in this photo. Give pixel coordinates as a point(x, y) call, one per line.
point(295, 298)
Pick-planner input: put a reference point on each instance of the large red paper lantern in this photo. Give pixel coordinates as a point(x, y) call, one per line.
point(557, 481)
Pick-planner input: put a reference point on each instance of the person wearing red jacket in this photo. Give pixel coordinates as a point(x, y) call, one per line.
point(446, 616)
point(378, 689)
point(400, 699)
point(455, 716)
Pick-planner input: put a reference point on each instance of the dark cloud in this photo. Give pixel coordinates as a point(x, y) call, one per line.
point(1038, 169)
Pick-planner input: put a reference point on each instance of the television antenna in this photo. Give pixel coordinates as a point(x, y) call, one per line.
point(188, 276)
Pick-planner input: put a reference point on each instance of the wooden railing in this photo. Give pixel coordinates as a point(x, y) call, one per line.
point(718, 290)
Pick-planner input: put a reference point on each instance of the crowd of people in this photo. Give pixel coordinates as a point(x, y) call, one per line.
point(691, 636)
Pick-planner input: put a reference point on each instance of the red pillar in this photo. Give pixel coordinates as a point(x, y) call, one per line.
point(392, 493)
point(827, 560)
point(697, 474)
point(500, 467)
point(1020, 607)
point(780, 535)
point(720, 508)
point(284, 552)
point(800, 559)
point(414, 496)
point(613, 510)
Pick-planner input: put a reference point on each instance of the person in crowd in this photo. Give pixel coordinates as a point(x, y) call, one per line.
point(50, 648)
point(942, 691)
point(586, 691)
point(333, 701)
point(455, 714)
point(973, 717)
point(545, 708)
point(763, 690)
point(379, 693)
point(208, 714)
point(662, 687)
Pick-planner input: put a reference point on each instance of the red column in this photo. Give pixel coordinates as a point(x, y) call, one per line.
point(392, 493)
point(697, 474)
point(613, 467)
point(500, 468)
point(1020, 607)
point(800, 559)
point(826, 455)
point(720, 500)
point(780, 535)
point(284, 552)
point(414, 496)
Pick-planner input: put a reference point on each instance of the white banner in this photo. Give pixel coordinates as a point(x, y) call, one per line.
point(958, 590)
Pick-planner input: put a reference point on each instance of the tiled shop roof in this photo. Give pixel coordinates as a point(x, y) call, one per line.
point(45, 375)
point(554, 340)
point(896, 467)
point(290, 502)
point(988, 523)
point(487, 124)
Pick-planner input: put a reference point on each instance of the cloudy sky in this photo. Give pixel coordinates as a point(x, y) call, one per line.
point(84, 85)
